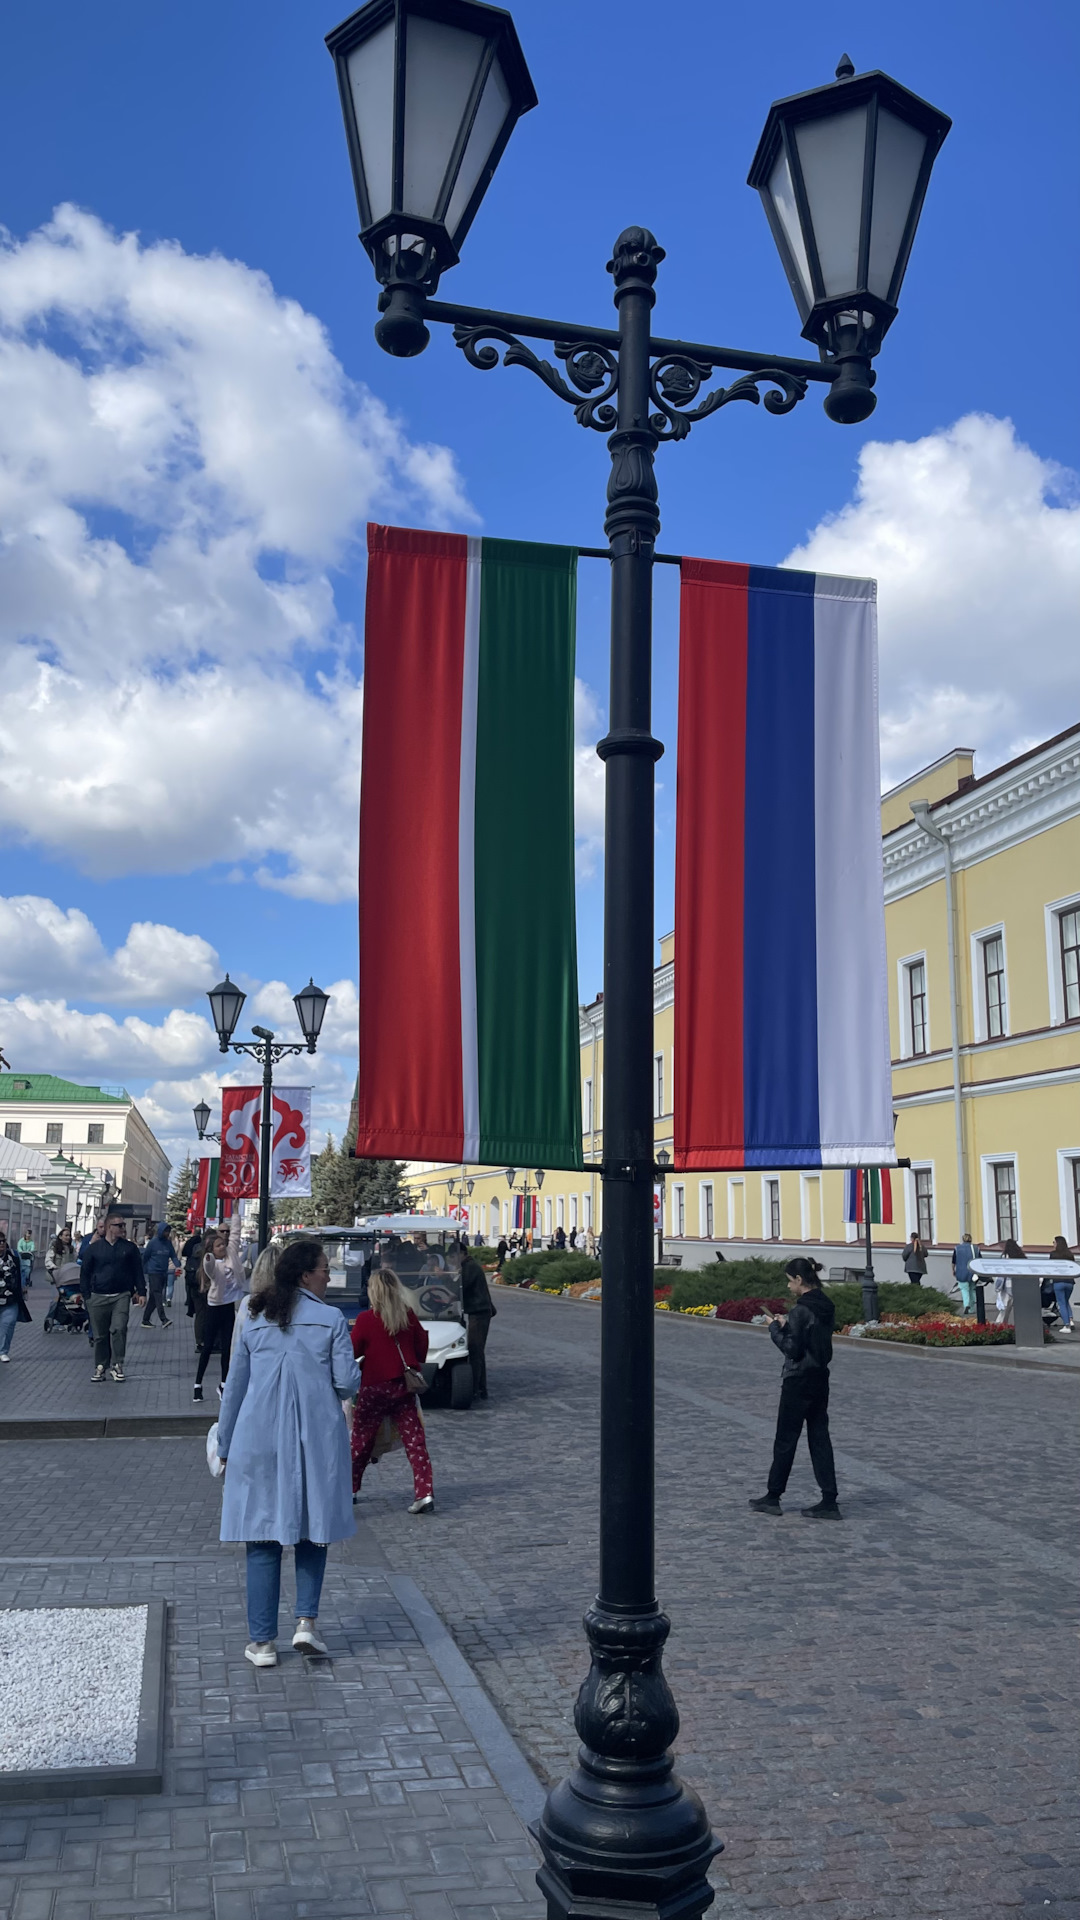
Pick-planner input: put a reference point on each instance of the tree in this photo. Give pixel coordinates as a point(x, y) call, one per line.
point(180, 1193)
point(342, 1188)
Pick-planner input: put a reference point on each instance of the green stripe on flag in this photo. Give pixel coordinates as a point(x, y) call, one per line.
point(526, 934)
point(212, 1173)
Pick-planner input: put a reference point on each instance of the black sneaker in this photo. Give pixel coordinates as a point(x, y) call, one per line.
point(196, 1393)
point(164, 1324)
point(825, 1510)
point(765, 1505)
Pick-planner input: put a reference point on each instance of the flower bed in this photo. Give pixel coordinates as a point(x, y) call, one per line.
point(940, 1333)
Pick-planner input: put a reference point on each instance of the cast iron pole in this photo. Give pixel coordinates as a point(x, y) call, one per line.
point(266, 1129)
point(622, 1834)
point(869, 1284)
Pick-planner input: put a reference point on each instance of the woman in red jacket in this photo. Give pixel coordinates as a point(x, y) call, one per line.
point(386, 1340)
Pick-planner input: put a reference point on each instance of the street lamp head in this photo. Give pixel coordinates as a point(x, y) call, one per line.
point(225, 1004)
point(539, 1177)
point(663, 1158)
point(431, 91)
point(842, 172)
point(510, 1172)
point(201, 1116)
point(311, 1004)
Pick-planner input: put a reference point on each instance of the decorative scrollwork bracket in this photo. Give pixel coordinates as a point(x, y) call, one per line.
point(676, 379)
point(592, 371)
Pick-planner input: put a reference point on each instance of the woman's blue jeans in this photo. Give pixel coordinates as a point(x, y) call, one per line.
point(1062, 1294)
point(9, 1320)
point(264, 1584)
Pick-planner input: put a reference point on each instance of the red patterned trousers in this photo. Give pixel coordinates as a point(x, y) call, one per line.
point(390, 1401)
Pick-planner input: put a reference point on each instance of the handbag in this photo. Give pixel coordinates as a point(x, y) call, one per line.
point(414, 1381)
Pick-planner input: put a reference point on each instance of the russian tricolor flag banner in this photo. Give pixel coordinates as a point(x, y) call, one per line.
point(781, 1012)
point(468, 954)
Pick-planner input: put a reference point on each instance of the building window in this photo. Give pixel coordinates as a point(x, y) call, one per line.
point(678, 1209)
point(993, 958)
point(586, 1107)
point(772, 1201)
point(560, 1212)
point(54, 1133)
point(586, 1203)
point(573, 1213)
point(1069, 930)
point(924, 1204)
point(1008, 1225)
point(705, 1210)
point(916, 994)
point(658, 1085)
point(547, 1216)
point(12, 1129)
point(95, 1134)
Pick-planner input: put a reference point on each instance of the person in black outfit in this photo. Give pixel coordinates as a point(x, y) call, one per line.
point(111, 1278)
point(479, 1312)
point(805, 1340)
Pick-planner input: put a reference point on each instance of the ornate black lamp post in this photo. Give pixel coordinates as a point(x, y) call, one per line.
point(226, 1000)
point(525, 1190)
point(201, 1116)
point(663, 1161)
point(431, 91)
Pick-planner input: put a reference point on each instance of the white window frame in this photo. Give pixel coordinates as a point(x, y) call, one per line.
point(806, 1181)
point(903, 993)
point(731, 1187)
point(678, 1212)
point(1052, 913)
point(766, 1211)
point(547, 1215)
point(988, 1161)
point(1070, 1226)
point(587, 1107)
point(560, 1212)
point(978, 980)
point(925, 1166)
point(573, 1211)
point(659, 1108)
point(706, 1205)
point(586, 1210)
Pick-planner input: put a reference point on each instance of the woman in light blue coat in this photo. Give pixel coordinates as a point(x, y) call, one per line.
point(282, 1434)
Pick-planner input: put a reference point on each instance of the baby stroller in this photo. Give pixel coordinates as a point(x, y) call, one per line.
point(68, 1310)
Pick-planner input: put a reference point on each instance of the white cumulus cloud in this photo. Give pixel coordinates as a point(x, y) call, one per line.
point(183, 464)
point(974, 540)
point(52, 949)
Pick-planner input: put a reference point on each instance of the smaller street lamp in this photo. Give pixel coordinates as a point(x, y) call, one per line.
point(201, 1117)
point(843, 171)
point(538, 1179)
point(226, 1000)
point(663, 1162)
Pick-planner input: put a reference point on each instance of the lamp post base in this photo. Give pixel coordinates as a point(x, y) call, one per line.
point(622, 1838)
point(870, 1304)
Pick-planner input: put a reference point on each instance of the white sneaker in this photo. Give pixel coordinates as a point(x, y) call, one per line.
point(426, 1505)
point(307, 1640)
point(4, 1358)
point(261, 1653)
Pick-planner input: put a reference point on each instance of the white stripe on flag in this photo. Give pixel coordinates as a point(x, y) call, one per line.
point(470, 681)
point(854, 1078)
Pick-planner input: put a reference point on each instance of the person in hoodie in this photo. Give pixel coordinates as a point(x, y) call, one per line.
point(804, 1338)
point(159, 1260)
point(224, 1283)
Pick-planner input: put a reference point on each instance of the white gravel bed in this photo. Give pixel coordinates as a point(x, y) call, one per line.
point(70, 1683)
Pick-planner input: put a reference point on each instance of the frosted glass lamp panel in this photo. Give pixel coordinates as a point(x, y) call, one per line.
point(491, 116)
point(832, 152)
point(782, 194)
point(900, 150)
point(440, 69)
point(371, 82)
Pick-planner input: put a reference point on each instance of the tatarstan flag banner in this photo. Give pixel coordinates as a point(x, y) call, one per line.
point(781, 1011)
point(468, 967)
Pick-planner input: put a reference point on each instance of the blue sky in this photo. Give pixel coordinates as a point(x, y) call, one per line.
point(217, 128)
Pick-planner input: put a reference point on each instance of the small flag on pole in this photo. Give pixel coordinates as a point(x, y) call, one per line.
point(881, 1212)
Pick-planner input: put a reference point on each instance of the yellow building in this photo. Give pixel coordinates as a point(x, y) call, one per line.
point(995, 1145)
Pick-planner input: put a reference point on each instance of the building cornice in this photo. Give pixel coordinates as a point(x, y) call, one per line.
point(1030, 799)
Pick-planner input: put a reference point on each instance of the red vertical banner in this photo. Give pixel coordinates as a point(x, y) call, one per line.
point(197, 1205)
point(241, 1109)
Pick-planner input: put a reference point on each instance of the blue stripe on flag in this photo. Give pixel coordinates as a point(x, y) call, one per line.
point(780, 1035)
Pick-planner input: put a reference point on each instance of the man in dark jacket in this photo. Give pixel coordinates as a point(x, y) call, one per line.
point(111, 1276)
point(805, 1340)
point(478, 1310)
point(159, 1259)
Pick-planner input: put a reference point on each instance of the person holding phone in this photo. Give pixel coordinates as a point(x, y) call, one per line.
point(804, 1337)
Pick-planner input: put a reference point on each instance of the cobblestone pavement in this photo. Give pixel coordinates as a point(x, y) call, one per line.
point(343, 1787)
point(881, 1716)
point(49, 1373)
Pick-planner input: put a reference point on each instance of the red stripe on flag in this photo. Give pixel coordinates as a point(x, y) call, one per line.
point(410, 1085)
point(886, 1197)
point(709, 863)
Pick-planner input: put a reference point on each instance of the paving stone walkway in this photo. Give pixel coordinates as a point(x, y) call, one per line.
point(881, 1716)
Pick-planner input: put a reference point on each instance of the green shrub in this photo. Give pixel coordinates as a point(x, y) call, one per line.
point(754, 1279)
point(567, 1271)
